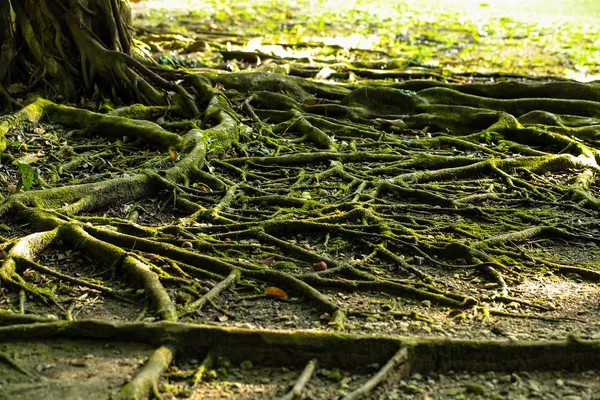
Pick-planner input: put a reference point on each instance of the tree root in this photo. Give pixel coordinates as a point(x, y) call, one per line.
point(203, 368)
point(147, 379)
point(214, 292)
point(399, 358)
point(301, 382)
point(330, 348)
point(423, 196)
point(6, 359)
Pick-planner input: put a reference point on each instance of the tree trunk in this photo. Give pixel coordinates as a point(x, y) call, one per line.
point(59, 47)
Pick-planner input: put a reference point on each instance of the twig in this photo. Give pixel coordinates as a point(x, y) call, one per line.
point(69, 312)
point(22, 297)
point(509, 299)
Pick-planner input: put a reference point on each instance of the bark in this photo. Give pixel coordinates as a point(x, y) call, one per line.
point(58, 47)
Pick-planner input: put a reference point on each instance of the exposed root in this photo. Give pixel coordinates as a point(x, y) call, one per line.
point(6, 359)
point(331, 348)
point(147, 379)
point(401, 357)
point(301, 382)
point(214, 292)
point(203, 368)
point(421, 193)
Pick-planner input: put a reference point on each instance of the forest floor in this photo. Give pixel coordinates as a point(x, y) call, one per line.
point(403, 175)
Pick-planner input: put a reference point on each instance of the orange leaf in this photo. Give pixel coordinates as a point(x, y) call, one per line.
point(275, 292)
point(173, 154)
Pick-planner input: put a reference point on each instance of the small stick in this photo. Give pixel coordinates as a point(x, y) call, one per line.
point(69, 312)
point(22, 297)
point(399, 358)
point(301, 382)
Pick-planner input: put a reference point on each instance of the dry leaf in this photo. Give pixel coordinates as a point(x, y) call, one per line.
point(275, 292)
point(324, 74)
point(253, 44)
point(151, 256)
point(173, 154)
point(268, 260)
point(30, 158)
point(16, 88)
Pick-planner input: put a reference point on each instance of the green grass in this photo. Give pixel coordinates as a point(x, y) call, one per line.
point(526, 36)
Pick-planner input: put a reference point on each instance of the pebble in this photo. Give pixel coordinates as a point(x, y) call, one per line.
point(412, 389)
point(475, 388)
point(577, 384)
point(453, 391)
point(534, 385)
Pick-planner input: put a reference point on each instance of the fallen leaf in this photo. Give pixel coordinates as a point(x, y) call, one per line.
point(223, 318)
point(253, 44)
point(275, 292)
point(16, 88)
point(324, 74)
point(268, 260)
